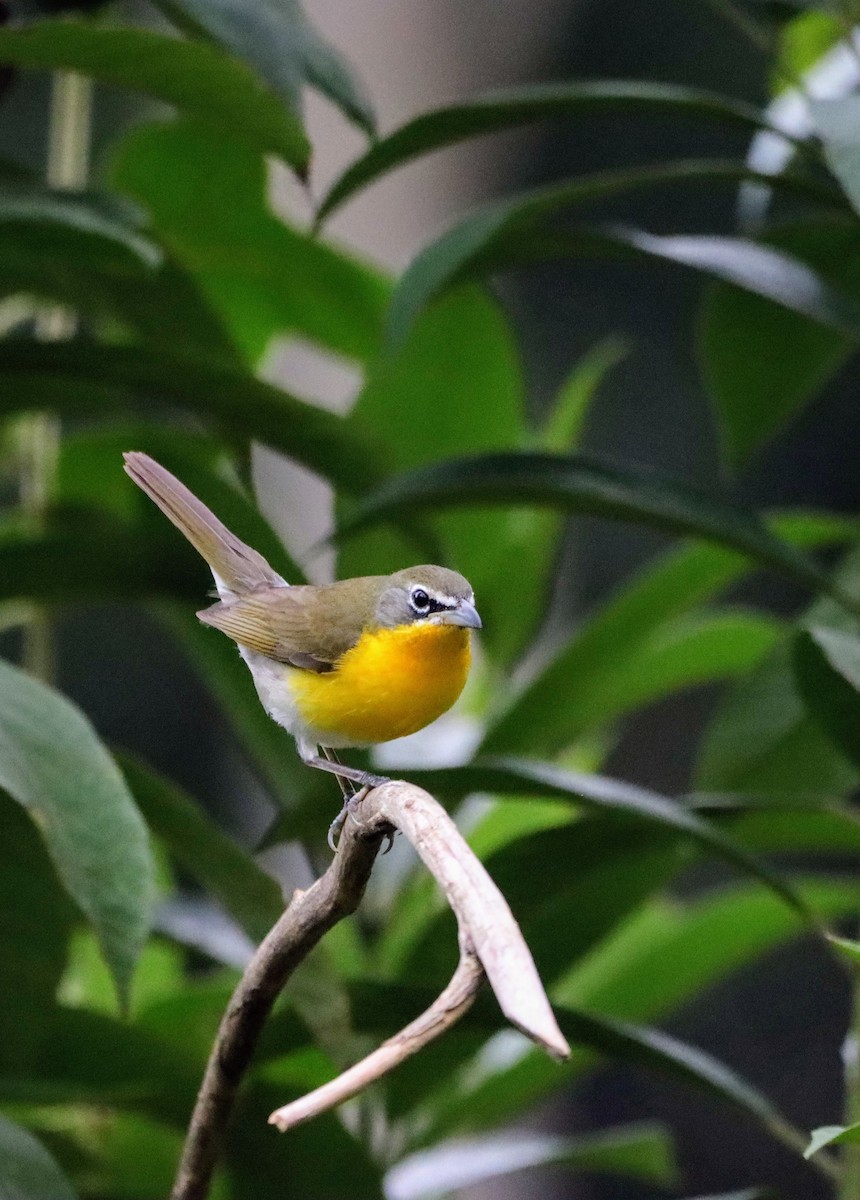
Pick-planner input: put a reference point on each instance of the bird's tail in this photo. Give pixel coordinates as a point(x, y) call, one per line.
point(237, 568)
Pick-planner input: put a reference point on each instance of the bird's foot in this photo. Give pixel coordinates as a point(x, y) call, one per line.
point(351, 808)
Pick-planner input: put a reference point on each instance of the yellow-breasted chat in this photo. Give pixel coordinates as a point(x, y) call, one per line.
point(351, 663)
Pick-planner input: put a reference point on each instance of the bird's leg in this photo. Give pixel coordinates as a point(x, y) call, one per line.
point(346, 775)
point(347, 789)
point(364, 779)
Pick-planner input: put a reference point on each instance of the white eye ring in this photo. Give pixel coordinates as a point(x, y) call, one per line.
point(419, 599)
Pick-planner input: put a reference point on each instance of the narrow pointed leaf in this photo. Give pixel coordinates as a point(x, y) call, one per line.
point(197, 77)
point(763, 739)
point(836, 121)
point(643, 1151)
point(431, 398)
point(251, 896)
point(763, 362)
point(517, 230)
point(562, 429)
point(664, 954)
point(583, 484)
point(539, 719)
point(383, 1008)
point(849, 949)
point(27, 1170)
point(523, 777)
point(496, 111)
point(827, 671)
point(101, 217)
point(53, 764)
point(282, 46)
point(832, 1135)
point(692, 650)
point(92, 253)
point(81, 378)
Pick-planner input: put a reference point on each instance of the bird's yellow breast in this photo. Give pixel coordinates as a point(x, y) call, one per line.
point(392, 683)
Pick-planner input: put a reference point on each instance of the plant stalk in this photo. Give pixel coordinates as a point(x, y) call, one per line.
point(67, 166)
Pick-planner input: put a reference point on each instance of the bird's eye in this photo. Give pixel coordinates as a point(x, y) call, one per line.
point(420, 600)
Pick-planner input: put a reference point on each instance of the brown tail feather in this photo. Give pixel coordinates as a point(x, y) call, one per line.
point(236, 566)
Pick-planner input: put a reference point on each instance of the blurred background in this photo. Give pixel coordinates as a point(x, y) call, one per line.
point(780, 1021)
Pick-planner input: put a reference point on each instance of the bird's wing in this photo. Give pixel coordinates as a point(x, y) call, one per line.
point(291, 625)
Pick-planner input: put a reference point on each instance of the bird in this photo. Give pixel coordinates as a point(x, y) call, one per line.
point(340, 665)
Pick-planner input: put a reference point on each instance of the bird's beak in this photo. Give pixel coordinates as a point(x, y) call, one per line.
point(464, 614)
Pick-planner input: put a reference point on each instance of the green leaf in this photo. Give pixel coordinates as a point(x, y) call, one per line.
point(699, 648)
point(88, 555)
point(515, 230)
point(383, 1008)
point(762, 740)
point(642, 1151)
point(276, 38)
point(654, 1050)
point(81, 378)
point(27, 1171)
point(594, 872)
point(36, 918)
point(562, 428)
point(90, 1058)
point(197, 77)
point(269, 747)
point(261, 276)
point(250, 895)
point(136, 1159)
point(773, 827)
point(670, 951)
point(584, 484)
point(665, 953)
point(836, 121)
point(762, 362)
point(847, 948)
point(827, 670)
point(496, 111)
point(832, 1135)
point(92, 253)
point(95, 555)
point(456, 385)
point(97, 219)
point(802, 42)
point(539, 717)
point(52, 763)
point(90, 476)
point(510, 776)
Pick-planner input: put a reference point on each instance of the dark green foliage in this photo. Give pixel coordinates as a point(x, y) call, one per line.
point(182, 278)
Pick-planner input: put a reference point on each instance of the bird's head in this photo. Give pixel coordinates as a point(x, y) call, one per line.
point(427, 595)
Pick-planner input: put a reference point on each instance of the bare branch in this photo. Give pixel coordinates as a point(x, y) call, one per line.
point(310, 914)
point(445, 1011)
point(490, 943)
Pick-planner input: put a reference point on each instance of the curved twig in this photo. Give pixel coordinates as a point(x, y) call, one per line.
point(490, 944)
point(445, 1011)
